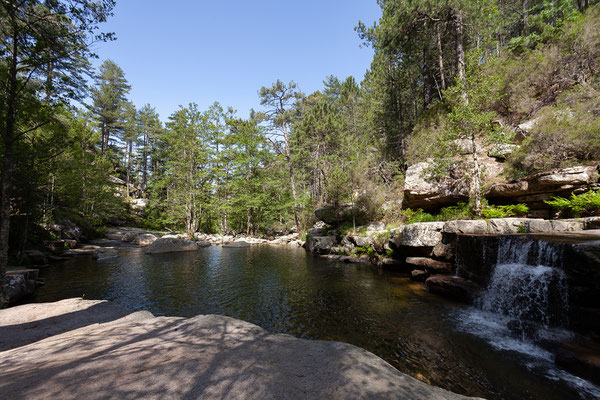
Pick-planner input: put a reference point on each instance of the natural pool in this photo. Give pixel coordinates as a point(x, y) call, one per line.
point(286, 290)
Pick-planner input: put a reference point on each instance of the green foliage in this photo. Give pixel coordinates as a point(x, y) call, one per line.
point(412, 216)
point(512, 210)
point(587, 203)
point(459, 211)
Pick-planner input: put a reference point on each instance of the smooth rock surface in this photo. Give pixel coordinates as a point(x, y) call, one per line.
point(205, 357)
point(145, 239)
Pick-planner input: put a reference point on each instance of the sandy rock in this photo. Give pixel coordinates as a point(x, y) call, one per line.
point(477, 227)
point(167, 245)
point(421, 191)
point(422, 234)
point(145, 239)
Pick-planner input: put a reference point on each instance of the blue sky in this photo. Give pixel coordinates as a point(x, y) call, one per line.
point(200, 51)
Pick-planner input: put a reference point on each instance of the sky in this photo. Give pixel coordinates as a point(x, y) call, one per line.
point(183, 51)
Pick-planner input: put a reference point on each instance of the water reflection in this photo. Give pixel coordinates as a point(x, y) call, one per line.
point(285, 290)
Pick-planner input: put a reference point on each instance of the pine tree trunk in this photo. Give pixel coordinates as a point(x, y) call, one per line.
point(476, 183)
point(145, 163)
point(288, 158)
point(440, 57)
point(129, 151)
point(460, 51)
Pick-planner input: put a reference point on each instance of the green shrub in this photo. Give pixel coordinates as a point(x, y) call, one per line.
point(512, 210)
point(411, 216)
point(585, 203)
point(459, 211)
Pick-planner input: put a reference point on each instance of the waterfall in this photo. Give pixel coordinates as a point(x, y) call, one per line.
point(528, 286)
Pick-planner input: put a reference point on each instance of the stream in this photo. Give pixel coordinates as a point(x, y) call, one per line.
point(285, 290)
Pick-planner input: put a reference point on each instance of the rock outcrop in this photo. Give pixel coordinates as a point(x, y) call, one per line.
point(535, 189)
point(167, 245)
point(139, 356)
point(422, 191)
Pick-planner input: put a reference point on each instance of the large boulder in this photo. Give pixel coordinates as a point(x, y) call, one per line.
point(168, 245)
point(423, 191)
point(320, 244)
point(19, 284)
point(145, 239)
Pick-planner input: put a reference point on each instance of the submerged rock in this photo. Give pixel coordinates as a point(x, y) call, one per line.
point(171, 244)
point(453, 287)
point(103, 253)
point(239, 243)
point(139, 356)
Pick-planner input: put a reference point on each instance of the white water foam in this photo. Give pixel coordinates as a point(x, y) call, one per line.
point(527, 297)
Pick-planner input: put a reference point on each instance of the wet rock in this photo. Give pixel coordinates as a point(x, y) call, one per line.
point(35, 257)
point(453, 287)
point(388, 262)
point(237, 244)
point(431, 266)
point(103, 253)
point(203, 243)
point(581, 358)
point(320, 244)
point(419, 275)
point(167, 245)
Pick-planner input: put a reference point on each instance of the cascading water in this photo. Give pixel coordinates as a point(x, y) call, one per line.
point(526, 299)
point(528, 286)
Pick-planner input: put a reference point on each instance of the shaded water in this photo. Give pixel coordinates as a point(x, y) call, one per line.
point(285, 290)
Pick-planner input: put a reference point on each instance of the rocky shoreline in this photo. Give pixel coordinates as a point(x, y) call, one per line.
point(75, 348)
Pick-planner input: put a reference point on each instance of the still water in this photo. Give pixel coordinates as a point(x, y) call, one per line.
point(286, 290)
